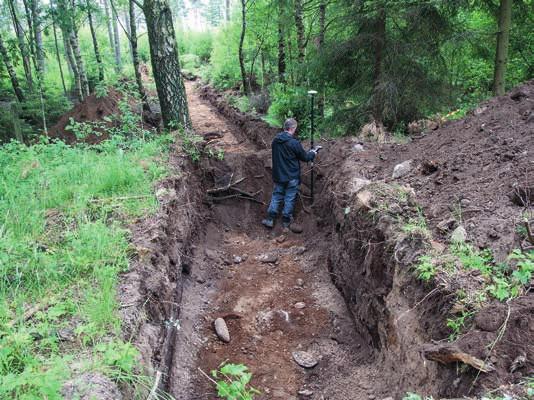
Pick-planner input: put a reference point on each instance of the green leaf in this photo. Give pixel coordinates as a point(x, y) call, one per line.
point(234, 369)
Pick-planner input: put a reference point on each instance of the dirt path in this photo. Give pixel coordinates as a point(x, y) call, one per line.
point(272, 288)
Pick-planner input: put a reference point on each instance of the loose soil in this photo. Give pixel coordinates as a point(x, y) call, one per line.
point(271, 309)
point(343, 290)
point(467, 171)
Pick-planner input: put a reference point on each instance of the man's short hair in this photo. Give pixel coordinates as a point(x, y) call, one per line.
point(290, 123)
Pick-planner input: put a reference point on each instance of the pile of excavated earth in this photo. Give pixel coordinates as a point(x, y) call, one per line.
point(336, 312)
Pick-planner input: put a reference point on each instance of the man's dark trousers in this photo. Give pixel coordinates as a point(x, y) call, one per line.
point(287, 193)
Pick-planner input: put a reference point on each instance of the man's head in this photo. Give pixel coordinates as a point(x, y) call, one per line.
point(290, 125)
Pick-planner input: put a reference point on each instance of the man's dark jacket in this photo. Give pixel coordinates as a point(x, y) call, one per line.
point(287, 151)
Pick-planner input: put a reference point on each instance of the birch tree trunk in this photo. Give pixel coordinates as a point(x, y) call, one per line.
point(128, 27)
point(59, 59)
point(74, 44)
point(11, 71)
point(38, 37)
point(116, 40)
point(501, 53)
point(135, 56)
point(241, 41)
point(19, 32)
point(165, 64)
point(109, 26)
point(98, 58)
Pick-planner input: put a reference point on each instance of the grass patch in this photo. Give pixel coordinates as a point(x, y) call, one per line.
point(63, 242)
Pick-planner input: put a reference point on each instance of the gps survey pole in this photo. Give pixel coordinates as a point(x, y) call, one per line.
point(312, 94)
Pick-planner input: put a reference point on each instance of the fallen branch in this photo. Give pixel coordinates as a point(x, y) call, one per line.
point(226, 187)
point(244, 193)
point(235, 196)
point(101, 200)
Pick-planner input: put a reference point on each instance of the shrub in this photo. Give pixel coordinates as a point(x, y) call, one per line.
point(286, 102)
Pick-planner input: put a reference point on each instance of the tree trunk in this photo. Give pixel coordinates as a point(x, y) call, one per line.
point(299, 24)
point(38, 37)
point(165, 64)
point(379, 45)
point(98, 58)
point(281, 44)
point(227, 10)
point(68, 55)
point(501, 53)
point(29, 21)
point(128, 27)
point(135, 56)
point(25, 55)
point(116, 40)
point(11, 71)
point(322, 34)
point(74, 44)
point(59, 59)
point(241, 41)
point(109, 26)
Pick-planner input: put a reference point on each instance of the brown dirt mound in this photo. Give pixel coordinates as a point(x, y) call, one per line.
point(467, 171)
point(92, 109)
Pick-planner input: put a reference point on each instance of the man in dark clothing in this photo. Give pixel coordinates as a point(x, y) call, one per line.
point(287, 152)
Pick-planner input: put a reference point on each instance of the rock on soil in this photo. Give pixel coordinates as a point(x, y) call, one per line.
point(459, 235)
point(268, 258)
point(402, 169)
point(305, 359)
point(221, 329)
point(305, 392)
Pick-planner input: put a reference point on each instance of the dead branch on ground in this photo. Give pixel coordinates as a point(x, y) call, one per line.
point(233, 192)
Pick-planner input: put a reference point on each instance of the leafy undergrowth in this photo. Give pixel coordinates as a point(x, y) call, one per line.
point(63, 242)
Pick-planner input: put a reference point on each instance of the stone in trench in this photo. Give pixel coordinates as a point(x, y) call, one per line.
point(305, 392)
point(299, 250)
point(358, 147)
point(268, 258)
point(459, 235)
point(237, 259)
point(305, 359)
point(281, 239)
point(300, 305)
point(222, 330)
point(211, 254)
point(402, 169)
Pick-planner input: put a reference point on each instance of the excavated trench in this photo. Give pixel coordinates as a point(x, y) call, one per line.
point(342, 291)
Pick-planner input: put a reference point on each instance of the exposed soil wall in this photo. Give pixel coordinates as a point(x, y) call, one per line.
point(371, 258)
point(150, 292)
point(371, 262)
